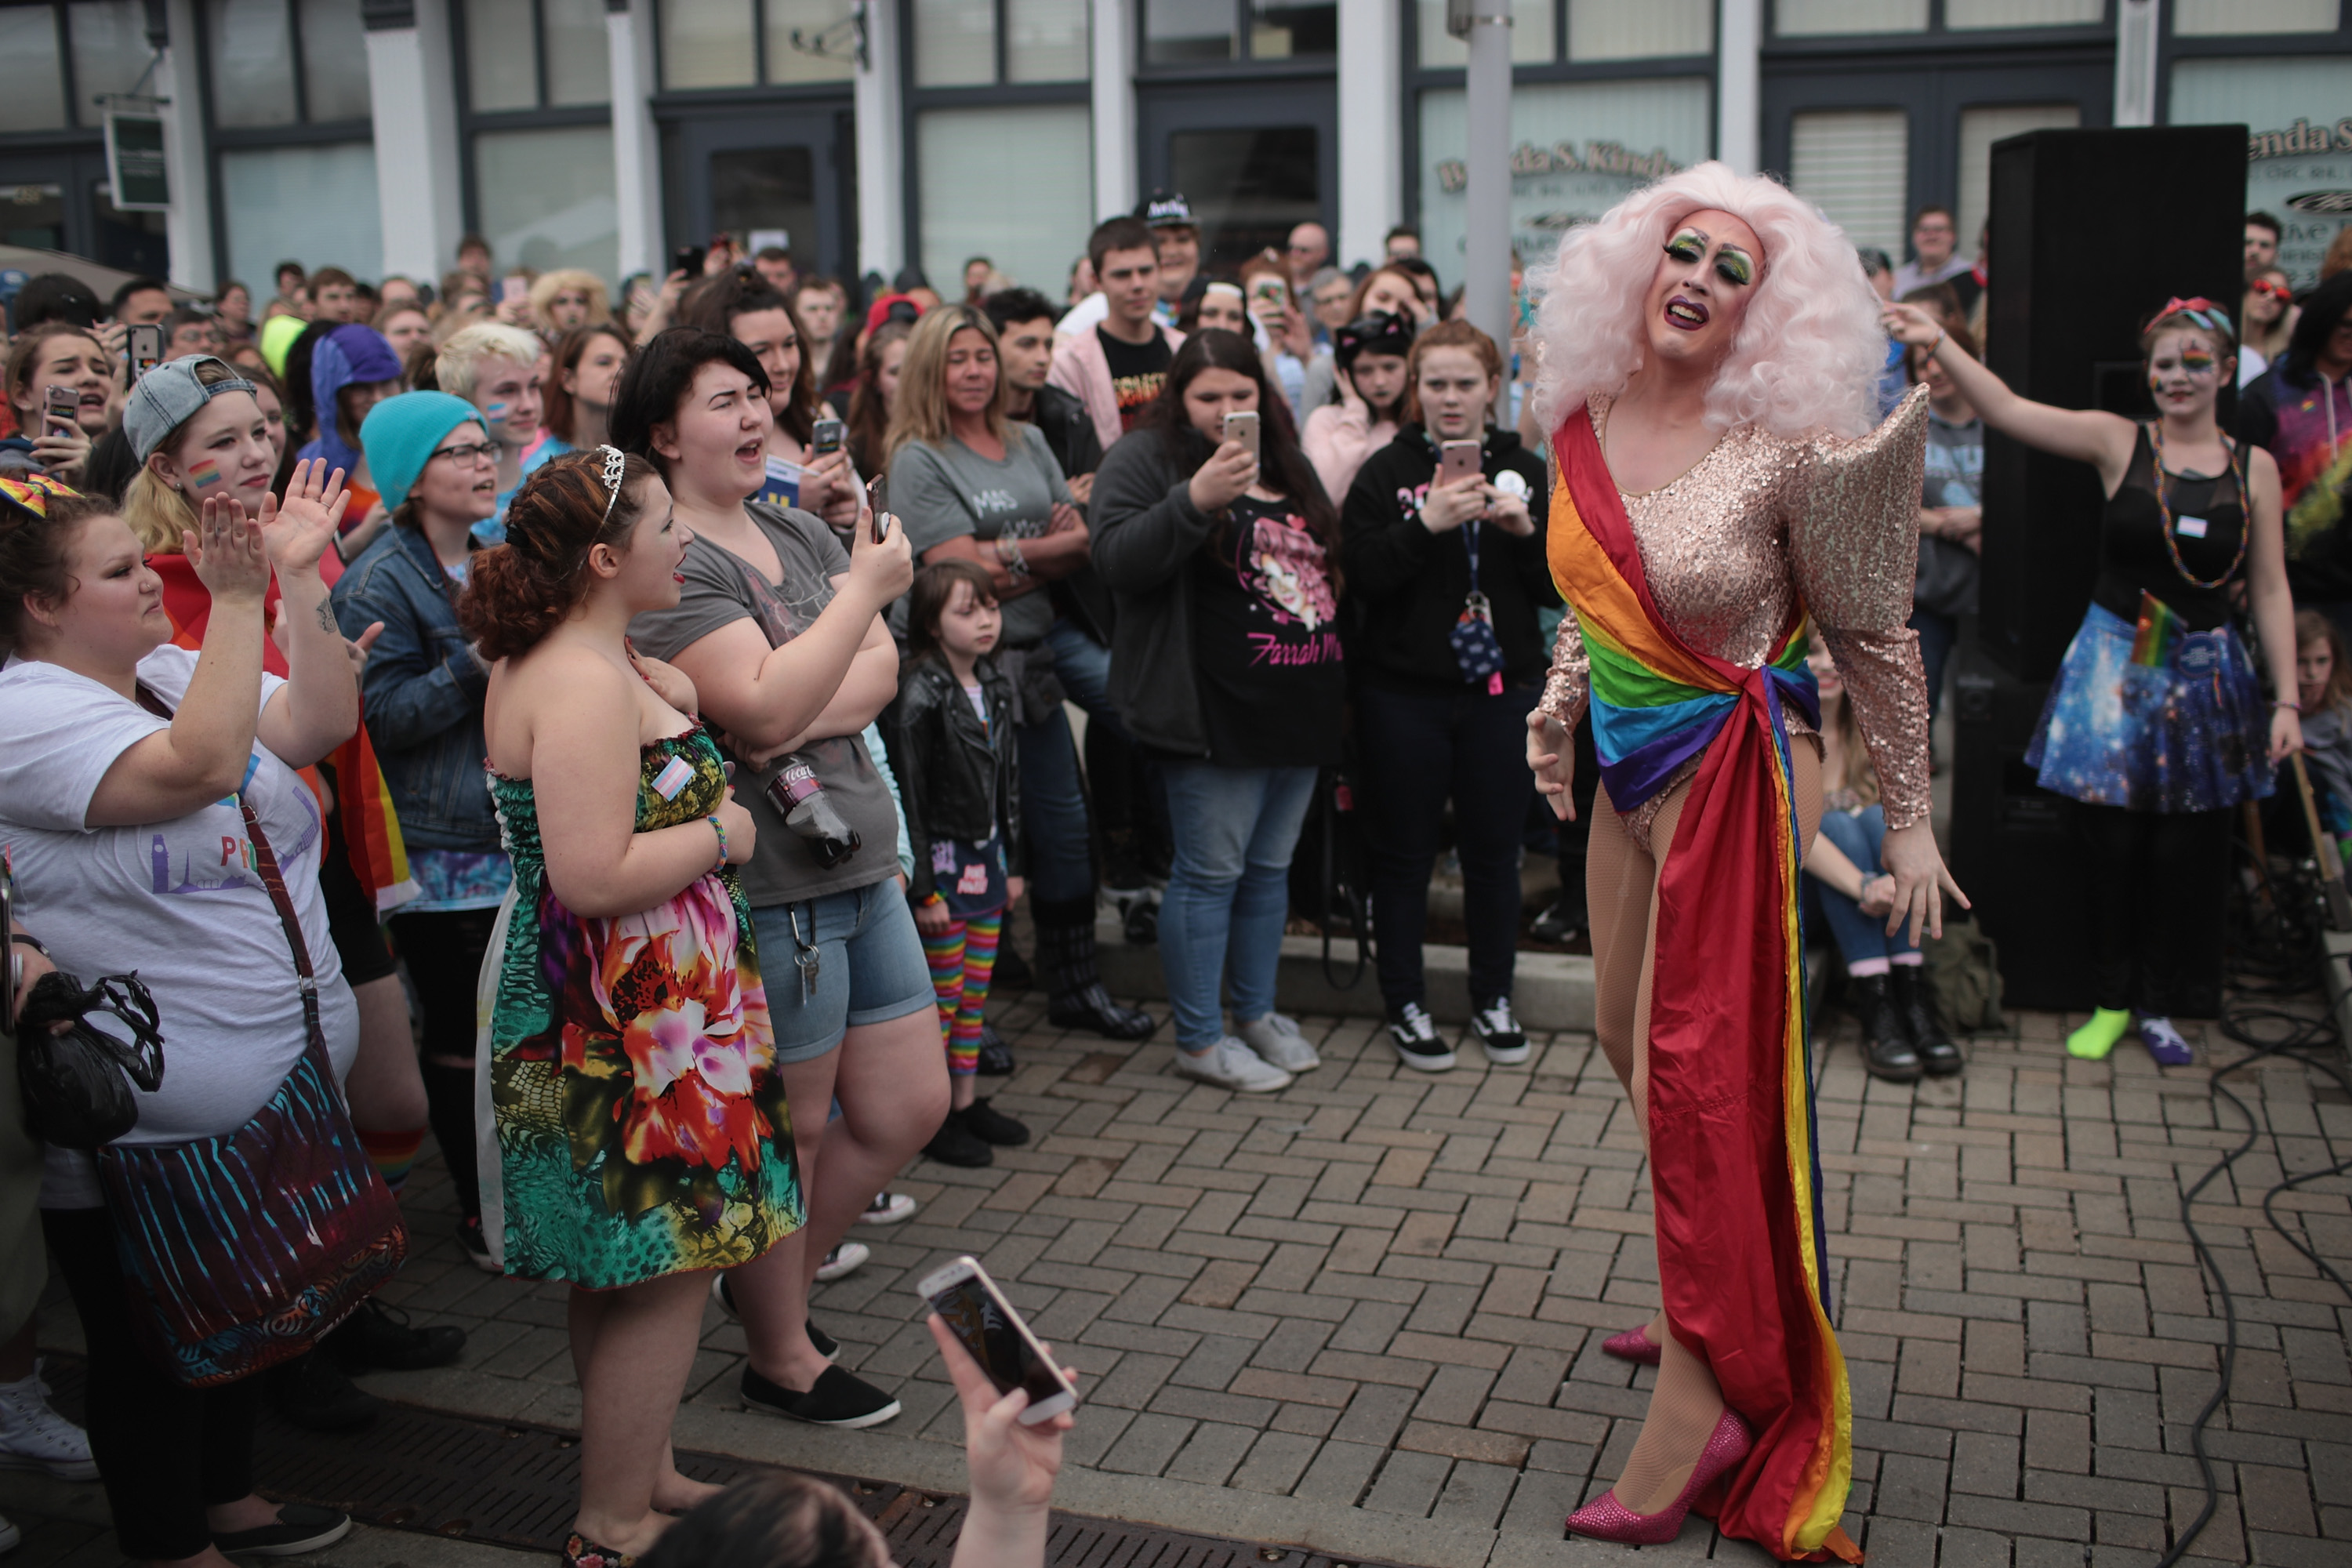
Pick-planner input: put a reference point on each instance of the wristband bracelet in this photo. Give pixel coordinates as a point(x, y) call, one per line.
point(719, 828)
point(2282, 702)
point(18, 936)
point(1938, 343)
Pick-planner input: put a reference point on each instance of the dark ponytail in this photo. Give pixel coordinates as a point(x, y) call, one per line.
point(518, 592)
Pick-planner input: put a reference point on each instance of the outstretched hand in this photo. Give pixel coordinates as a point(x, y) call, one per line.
point(298, 530)
point(228, 552)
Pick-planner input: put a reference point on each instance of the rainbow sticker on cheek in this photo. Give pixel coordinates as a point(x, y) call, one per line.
point(496, 412)
point(204, 472)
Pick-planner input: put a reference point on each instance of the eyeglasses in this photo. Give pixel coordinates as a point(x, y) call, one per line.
point(471, 453)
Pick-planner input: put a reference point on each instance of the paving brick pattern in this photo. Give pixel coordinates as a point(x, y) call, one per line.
point(1387, 1291)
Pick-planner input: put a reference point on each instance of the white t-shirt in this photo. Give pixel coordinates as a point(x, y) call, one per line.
point(182, 902)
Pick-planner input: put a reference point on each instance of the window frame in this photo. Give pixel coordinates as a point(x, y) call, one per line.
point(1937, 35)
point(473, 122)
point(1249, 65)
point(758, 91)
point(2172, 48)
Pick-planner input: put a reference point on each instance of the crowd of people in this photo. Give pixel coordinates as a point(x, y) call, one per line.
point(617, 741)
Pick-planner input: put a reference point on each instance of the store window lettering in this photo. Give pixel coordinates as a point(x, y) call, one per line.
point(1561, 158)
point(2302, 173)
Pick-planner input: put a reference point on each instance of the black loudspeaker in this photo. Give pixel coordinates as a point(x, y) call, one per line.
point(2077, 264)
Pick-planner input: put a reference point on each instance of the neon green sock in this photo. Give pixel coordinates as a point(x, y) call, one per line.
point(2095, 1039)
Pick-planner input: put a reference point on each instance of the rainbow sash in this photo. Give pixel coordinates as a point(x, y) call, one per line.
point(1734, 1163)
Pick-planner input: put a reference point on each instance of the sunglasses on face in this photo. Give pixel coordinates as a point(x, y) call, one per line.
point(2271, 287)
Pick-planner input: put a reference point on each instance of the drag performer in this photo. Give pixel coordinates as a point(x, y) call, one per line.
point(2155, 720)
point(1710, 350)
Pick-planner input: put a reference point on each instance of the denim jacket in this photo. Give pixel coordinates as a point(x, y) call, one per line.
point(423, 690)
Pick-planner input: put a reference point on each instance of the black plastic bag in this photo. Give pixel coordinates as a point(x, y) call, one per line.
point(75, 1096)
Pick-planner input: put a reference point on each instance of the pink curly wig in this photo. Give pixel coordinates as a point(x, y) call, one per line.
point(1809, 353)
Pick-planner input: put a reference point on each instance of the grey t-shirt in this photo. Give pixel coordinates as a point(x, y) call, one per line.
point(723, 588)
point(953, 493)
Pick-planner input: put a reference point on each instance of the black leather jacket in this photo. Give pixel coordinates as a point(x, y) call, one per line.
point(958, 778)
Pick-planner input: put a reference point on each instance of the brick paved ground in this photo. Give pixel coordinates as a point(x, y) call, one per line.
point(1366, 1314)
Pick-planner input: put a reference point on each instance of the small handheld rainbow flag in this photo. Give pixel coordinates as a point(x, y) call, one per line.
point(2159, 630)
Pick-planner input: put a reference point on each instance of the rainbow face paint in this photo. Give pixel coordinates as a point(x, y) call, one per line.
point(496, 412)
point(204, 472)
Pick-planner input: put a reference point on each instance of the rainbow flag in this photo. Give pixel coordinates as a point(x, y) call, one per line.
point(2159, 631)
point(370, 830)
point(1735, 1161)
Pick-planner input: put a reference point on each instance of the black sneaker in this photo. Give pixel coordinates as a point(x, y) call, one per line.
point(839, 1399)
point(989, 1125)
point(300, 1528)
point(313, 1393)
point(1013, 970)
point(1415, 1040)
point(380, 1337)
point(477, 1246)
point(1505, 1042)
point(1558, 923)
point(1091, 1007)
point(724, 1294)
point(956, 1144)
point(995, 1055)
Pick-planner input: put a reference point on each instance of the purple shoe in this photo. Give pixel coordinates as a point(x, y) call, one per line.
point(1606, 1519)
point(1634, 1345)
point(2165, 1043)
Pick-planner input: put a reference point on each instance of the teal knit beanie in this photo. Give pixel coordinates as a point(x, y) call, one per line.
point(401, 433)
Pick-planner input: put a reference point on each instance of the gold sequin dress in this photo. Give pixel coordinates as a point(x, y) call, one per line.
point(1763, 521)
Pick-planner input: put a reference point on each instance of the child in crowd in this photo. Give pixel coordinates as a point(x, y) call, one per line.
point(952, 746)
point(2323, 679)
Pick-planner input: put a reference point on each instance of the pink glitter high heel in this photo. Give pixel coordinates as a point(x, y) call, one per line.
point(1634, 1345)
point(1606, 1519)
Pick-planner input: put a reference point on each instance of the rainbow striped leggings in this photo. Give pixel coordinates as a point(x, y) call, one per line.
point(962, 958)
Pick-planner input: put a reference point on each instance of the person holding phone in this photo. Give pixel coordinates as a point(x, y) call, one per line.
point(745, 307)
point(1226, 662)
point(1289, 346)
point(61, 382)
point(1445, 564)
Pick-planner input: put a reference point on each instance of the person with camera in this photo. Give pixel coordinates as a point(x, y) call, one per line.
point(1445, 565)
point(151, 800)
point(1368, 359)
point(780, 629)
point(61, 382)
point(1225, 663)
point(975, 486)
point(642, 1128)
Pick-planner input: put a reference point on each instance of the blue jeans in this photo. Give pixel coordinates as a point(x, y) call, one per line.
point(1857, 935)
point(1083, 666)
point(1054, 812)
point(1229, 892)
point(870, 966)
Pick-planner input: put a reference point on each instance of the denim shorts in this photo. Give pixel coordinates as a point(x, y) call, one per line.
point(870, 966)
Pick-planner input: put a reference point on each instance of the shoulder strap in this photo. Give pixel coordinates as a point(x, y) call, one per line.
point(275, 881)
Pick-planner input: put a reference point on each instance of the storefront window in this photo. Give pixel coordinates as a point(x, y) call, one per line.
point(1578, 147)
point(501, 70)
point(33, 215)
point(110, 52)
point(1797, 19)
point(1531, 35)
point(1046, 40)
point(32, 81)
point(253, 63)
point(955, 43)
point(335, 62)
point(1964, 13)
point(706, 43)
point(788, 66)
point(579, 52)
point(545, 198)
point(1015, 185)
point(1855, 164)
point(1188, 32)
point(2299, 152)
point(1611, 30)
point(1280, 31)
point(2206, 18)
point(1979, 128)
point(317, 203)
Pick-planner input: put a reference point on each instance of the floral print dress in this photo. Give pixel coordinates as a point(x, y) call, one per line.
point(639, 1119)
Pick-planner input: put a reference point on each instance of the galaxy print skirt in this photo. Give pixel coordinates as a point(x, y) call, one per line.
point(2189, 735)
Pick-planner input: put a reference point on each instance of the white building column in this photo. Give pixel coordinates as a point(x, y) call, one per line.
point(188, 225)
point(881, 145)
point(2135, 32)
point(1739, 85)
point(1371, 139)
point(1116, 152)
point(637, 144)
point(412, 83)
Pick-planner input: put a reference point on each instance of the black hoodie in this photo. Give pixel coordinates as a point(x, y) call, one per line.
point(1407, 585)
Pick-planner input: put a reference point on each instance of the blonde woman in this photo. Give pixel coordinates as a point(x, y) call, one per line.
point(568, 298)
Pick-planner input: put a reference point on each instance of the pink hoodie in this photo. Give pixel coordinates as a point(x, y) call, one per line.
point(1081, 369)
point(1337, 438)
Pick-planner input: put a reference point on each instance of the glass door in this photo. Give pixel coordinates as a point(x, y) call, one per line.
point(785, 177)
point(1254, 163)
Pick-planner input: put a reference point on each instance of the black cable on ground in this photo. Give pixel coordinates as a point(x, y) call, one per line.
point(2274, 953)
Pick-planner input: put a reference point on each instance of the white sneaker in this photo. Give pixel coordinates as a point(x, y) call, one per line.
point(35, 1437)
point(847, 1259)
point(888, 1209)
point(1499, 1031)
point(1276, 1039)
point(1415, 1040)
point(1229, 1063)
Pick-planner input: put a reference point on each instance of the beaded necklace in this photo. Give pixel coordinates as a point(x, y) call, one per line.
point(2164, 510)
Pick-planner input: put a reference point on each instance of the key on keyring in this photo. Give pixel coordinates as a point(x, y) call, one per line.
point(806, 958)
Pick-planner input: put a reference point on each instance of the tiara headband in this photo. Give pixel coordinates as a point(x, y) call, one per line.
point(617, 465)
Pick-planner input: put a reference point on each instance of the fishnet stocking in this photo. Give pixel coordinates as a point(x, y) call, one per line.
point(1621, 884)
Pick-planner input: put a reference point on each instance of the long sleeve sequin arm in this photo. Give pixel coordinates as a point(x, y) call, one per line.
point(1853, 544)
point(1570, 684)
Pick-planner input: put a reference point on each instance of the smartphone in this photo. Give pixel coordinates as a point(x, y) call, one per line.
point(828, 436)
point(1243, 427)
point(1266, 291)
point(977, 1313)
point(512, 291)
point(1457, 460)
point(64, 406)
point(877, 501)
point(146, 348)
point(686, 258)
